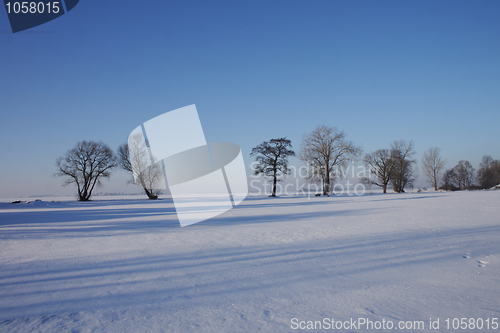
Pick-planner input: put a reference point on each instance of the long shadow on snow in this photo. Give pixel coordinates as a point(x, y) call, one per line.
point(161, 225)
point(270, 202)
point(194, 279)
point(73, 222)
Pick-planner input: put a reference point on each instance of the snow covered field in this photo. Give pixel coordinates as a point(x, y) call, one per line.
point(125, 265)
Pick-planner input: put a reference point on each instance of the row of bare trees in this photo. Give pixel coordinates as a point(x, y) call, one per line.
point(394, 166)
point(463, 176)
point(488, 174)
point(326, 149)
point(89, 162)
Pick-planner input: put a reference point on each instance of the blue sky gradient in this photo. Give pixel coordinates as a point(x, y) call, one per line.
point(427, 71)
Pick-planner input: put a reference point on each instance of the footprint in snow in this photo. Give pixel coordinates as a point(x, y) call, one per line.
point(466, 255)
point(269, 315)
point(483, 263)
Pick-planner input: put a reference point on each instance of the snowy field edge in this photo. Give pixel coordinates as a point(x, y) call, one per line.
point(122, 264)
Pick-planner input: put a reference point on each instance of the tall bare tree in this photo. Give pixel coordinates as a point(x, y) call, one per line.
point(381, 166)
point(465, 174)
point(488, 174)
point(403, 173)
point(272, 157)
point(432, 164)
point(134, 157)
point(326, 149)
point(85, 165)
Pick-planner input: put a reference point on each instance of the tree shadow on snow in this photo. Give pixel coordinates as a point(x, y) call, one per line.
point(218, 276)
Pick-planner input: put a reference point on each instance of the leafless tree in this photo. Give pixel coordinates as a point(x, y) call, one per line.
point(85, 165)
point(272, 157)
point(465, 174)
point(488, 174)
point(432, 164)
point(403, 172)
point(325, 150)
point(134, 157)
point(381, 166)
point(450, 180)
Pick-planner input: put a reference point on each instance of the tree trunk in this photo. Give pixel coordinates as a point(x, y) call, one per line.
point(274, 184)
point(150, 194)
point(83, 195)
point(326, 189)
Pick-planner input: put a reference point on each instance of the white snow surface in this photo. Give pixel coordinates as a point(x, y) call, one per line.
point(125, 264)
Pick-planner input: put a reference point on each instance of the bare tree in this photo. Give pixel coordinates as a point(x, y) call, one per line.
point(450, 180)
point(325, 150)
point(465, 174)
point(272, 157)
point(85, 165)
point(381, 166)
point(134, 157)
point(488, 174)
point(432, 164)
point(403, 172)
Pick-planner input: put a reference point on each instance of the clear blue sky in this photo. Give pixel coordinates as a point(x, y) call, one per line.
point(427, 71)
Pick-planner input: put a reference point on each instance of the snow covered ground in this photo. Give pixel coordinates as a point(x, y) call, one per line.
point(270, 264)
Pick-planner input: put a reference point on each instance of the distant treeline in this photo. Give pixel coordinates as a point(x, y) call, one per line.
point(325, 150)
